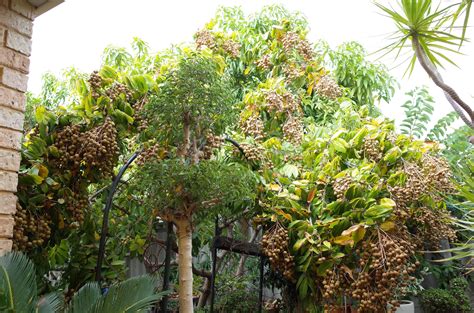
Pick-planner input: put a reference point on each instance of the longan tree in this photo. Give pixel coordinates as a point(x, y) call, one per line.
point(193, 106)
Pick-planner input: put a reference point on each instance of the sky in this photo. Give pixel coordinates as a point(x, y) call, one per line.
point(76, 32)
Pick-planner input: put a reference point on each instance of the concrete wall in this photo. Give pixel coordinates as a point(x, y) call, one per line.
point(16, 28)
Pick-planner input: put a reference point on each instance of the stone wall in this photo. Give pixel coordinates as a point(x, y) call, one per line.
point(16, 28)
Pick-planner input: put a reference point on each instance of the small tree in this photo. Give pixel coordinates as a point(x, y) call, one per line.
point(193, 106)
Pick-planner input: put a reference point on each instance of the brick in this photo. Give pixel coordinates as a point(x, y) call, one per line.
point(12, 98)
point(18, 42)
point(15, 60)
point(9, 160)
point(8, 201)
point(13, 20)
point(13, 79)
point(24, 8)
point(6, 226)
point(5, 246)
point(2, 34)
point(10, 139)
point(11, 119)
point(8, 181)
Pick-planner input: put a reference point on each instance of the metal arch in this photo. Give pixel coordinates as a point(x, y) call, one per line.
point(105, 219)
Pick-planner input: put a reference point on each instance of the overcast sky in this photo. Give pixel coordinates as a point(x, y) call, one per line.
point(76, 32)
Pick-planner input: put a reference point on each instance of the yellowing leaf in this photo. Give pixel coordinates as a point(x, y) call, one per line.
point(344, 240)
point(386, 226)
point(274, 187)
point(311, 195)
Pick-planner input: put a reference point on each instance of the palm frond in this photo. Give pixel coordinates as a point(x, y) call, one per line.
point(84, 300)
point(50, 303)
point(18, 281)
point(136, 293)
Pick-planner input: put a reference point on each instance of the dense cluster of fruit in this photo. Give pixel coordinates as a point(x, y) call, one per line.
point(277, 103)
point(264, 62)
point(432, 227)
point(204, 38)
point(118, 89)
point(148, 154)
point(340, 186)
point(76, 206)
point(252, 152)
point(372, 150)
point(100, 148)
point(231, 47)
point(275, 247)
point(291, 73)
point(328, 87)
point(293, 130)
point(95, 82)
point(30, 231)
point(385, 269)
point(96, 148)
point(291, 41)
point(212, 142)
point(253, 126)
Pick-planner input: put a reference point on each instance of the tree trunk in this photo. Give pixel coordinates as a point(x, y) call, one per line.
point(185, 264)
point(461, 108)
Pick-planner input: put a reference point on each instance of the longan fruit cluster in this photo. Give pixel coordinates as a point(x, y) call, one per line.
point(293, 130)
point(212, 142)
point(340, 186)
point(149, 153)
point(264, 62)
point(118, 89)
point(100, 149)
point(95, 82)
point(291, 72)
point(385, 269)
point(30, 231)
point(292, 41)
point(328, 87)
point(290, 103)
point(274, 102)
point(75, 206)
point(253, 126)
point(253, 153)
point(69, 142)
point(438, 174)
point(433, 227)
point(231, 47)
point(205, 38)
point(275, 247)
point(372, 149)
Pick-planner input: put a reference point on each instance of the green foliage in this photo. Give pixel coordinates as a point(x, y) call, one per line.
point(18, 289)
point(192, 90)
point(440, 129)
point(452, 300)
point(418, 111)
point(366, 82)
point(312, 201)
point(209, 186)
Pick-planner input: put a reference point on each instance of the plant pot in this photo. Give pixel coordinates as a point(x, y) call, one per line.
point(406, 307)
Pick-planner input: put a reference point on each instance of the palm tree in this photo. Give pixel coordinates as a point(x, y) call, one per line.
point(19, 292)
point(18, 289)
point(428, 32)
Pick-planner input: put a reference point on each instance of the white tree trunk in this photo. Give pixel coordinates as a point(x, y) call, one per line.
point(185, 265)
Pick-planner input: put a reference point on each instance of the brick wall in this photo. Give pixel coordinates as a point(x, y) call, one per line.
point(16, 27)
